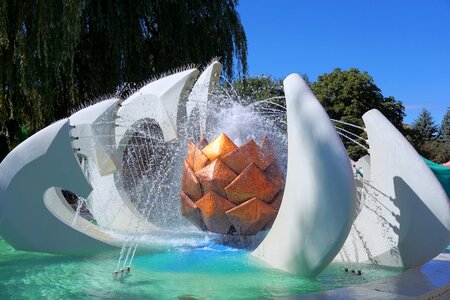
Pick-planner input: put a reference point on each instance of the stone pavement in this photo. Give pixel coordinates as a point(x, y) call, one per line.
point(430, 281)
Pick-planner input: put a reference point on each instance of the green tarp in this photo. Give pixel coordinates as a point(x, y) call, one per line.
point(442, 173)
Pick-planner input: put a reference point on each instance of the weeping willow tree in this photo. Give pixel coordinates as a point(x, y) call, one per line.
point(57, 55)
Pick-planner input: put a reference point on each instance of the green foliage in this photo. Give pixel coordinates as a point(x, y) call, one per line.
point(15, 135)
point(347, 94)
point(424, 127)
point(57, 55)
point(435, 150)
point(444, 131)
point(425, 138)
point(268, 95)
point(4, 147)
point(258, 88)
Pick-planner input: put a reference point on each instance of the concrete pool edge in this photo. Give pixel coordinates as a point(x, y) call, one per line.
point(430, 281)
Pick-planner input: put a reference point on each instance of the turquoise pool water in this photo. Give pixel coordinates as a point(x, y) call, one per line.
point(205, 272)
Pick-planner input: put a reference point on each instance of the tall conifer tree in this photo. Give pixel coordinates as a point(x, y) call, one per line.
point(444, 131)
point(424, 126)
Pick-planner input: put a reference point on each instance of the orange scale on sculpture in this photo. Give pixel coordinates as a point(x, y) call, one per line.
point(190, 184)
point(195, 157)
point(213, 209)
point(190, 211)
point(240, 158)
point(203, 143)
point(215, 177)
point(251, 183)
point(251, 216)
point(267, 153)
point(276, 203)
point(274, 174)
point(219, 147)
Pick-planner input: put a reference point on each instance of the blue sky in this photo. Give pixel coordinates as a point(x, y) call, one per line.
point(403, 45)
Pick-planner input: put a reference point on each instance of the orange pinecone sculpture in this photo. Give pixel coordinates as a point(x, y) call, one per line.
point(229, 189)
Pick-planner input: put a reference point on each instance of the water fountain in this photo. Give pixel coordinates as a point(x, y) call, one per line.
point(124, 160)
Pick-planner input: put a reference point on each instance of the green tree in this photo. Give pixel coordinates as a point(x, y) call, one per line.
point(258, 88)
point(267, 95)
point(423, 135)
point(262, 87)
point(435, 150)
point(347, 94)
point(444, 130)
point(57, 55)
point(424, 126)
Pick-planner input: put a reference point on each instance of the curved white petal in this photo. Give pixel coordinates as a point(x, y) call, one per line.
point(94, 132)
point(159, 100)
point(93, 129)
point(163, 101)
point(319, 199)
point(34, 216)
point(405, 219)
point(201, 92)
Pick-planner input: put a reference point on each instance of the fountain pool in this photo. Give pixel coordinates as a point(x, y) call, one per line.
point(196, 270)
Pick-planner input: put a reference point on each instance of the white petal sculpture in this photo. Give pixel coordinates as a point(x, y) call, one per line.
point(159, 100)
point(162, 102)
point(93, 128)
point(200, 95)
point(34, 216)
point(319, 199)
point(404, 219)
